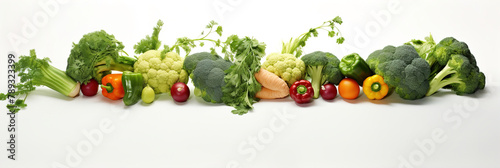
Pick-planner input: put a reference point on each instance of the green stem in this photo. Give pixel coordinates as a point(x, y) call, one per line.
point(301, 89)
point(376, 87)
point(108, 87)
point(58, 80)
point(316, 78)
point(437, 82)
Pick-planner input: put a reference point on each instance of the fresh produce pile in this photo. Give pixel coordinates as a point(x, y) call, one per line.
point(413, 70)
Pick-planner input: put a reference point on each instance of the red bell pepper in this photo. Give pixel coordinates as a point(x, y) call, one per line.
point(302, 91)
point(112, 87)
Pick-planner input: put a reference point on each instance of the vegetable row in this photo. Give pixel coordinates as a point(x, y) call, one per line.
point(413, 70)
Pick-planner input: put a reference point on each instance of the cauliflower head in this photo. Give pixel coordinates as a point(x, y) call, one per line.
point(286, 66)
point(160, 73)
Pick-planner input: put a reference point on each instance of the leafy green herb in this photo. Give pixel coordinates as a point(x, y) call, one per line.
point(187, 44)
point(241, 85)
point(150, 42)
point(294, 46)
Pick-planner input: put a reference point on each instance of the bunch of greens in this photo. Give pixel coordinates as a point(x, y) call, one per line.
point(38, 72)
point(241, 85)
point(96, 55)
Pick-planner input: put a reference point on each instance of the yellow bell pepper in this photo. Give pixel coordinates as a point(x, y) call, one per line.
point(375, 88)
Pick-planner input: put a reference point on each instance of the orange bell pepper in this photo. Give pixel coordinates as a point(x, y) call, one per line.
point(112, 87)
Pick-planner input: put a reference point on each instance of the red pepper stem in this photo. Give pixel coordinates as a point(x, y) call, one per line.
point(108, 87)
point(301, 89)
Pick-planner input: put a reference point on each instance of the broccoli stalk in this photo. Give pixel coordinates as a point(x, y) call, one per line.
point(317, 79)
point(460, 74)
point(439, 82)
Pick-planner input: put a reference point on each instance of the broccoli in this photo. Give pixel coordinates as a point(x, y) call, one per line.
point(403, 70)
point(445, 48)
point(208, 79)
point(322, 67)
point(453, 66)
point(192, 60)
point(96, 55)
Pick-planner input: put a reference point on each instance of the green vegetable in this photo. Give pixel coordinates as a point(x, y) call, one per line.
point(208, 79)
point(454, 66)
point(402, 69)
point(132, 84)
point(161, 70)
point(353, 66)
point(442, 52)
point(322, 67)
point(294, 46)
point(286, 66)
point(96, 55)
point(38, 72)
point(187, 43)
point(423, 47)
point(150, 42)
point(148, 95)
point(241, 85)
point(192, 60)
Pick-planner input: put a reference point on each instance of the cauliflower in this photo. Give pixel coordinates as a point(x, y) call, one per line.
point(160, 73)
point(286, 66)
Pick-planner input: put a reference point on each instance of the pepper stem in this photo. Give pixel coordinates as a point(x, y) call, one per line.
point(108, 87)
point(376, 87)
point(301, 89)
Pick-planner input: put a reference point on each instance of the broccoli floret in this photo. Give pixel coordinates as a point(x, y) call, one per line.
point(403, 70)
point(208, 78)
point(439, 56)
point(459, 73)
point(322, 67)
point(191, 61)
point(454, 66)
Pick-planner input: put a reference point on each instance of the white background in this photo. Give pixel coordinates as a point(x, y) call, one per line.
point(340, 133)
